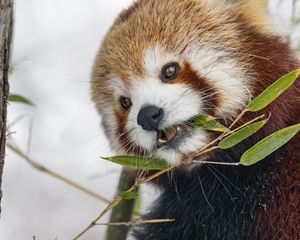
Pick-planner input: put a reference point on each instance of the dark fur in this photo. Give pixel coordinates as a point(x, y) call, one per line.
point(240, 203)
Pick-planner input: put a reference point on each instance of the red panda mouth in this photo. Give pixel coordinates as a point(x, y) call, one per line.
point(170, 135)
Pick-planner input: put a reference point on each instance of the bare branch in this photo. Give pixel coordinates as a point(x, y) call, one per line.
point(48, 171)
point(124, 211)
point(118, 199)
point(136, 222)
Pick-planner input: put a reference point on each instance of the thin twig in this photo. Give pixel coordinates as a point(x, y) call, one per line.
point(244, 125)
point(205, 149)
point(40, 167)
point(238, 118)
point(118, 199)
point(114, 203)
point(136, 222)
point(208, 150)
point(225, 134)
point(124, 211)
point(217, 163)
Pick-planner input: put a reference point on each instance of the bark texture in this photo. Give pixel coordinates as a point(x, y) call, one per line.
point(6, 22)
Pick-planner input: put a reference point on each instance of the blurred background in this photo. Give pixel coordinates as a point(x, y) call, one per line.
point(55, 42)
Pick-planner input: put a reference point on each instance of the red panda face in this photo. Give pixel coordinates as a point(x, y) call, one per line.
point(163, 63)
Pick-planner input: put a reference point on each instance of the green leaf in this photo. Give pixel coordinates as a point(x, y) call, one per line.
point(129, 195)
point(273, 91)
point(202, 119)
point(240, 135)
point(269, 145)
point(214, 126)
point(208, 123)
point(20, 99)
point(143, 163)
point(137, 208)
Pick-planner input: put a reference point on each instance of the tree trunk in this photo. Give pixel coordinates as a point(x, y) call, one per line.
point(6, 21)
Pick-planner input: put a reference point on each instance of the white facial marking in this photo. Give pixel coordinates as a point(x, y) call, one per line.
point(171, 156)
point(118, 87)
point(110, 122)
point(197, 140)
point(107, 110)
point(225, 73)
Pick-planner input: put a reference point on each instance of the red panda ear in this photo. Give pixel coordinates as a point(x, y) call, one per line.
point(255, 12)
point(263, 3)
point(258, 3)
point(126, 13)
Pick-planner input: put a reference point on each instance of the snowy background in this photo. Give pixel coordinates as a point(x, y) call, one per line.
point(55, 42)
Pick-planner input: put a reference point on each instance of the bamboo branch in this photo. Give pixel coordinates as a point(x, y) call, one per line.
point(118, 199)
point(56, 175)
point(128, 224)
point(217, 163)
point(123, 212)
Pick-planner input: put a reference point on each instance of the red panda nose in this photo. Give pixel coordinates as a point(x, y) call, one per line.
point(150, 117)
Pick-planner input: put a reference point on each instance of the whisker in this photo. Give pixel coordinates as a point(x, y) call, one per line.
point(238, 189)
point(206, 199)
point(223, 184)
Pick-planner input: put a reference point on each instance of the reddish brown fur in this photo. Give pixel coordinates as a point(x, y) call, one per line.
point(272, 59)
point(281, 220)
point(268, 57)
point(127, 13)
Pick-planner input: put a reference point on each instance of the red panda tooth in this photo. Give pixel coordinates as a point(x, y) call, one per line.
point(161, 141)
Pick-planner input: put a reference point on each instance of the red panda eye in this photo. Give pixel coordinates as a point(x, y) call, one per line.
point(125, 102)
point(170, 72)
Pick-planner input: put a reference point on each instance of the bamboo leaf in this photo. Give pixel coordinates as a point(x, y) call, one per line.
point(129, 195)
point(269, 145)
point(20, 99)
point(214, 126)
point(240, 135)
point(137, 207)
point(208, 123)
point(273, 91)
point(202, 119)
point(143, 163)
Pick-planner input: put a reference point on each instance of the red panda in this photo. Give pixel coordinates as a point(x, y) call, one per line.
point(164, 62)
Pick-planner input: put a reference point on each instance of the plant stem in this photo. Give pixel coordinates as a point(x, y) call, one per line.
point(244, 125)
point(48, 171)
point(135, 223)
point(217, 163)
point(123, 212)
point(225, 134)
point(118, 199)
point(238, 118)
